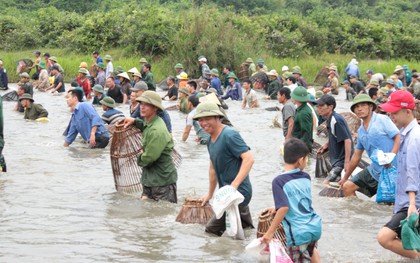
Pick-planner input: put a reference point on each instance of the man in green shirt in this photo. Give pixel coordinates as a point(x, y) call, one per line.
point(303, 121)
point(26, 84)
point(273, 86)
point(32, 110)
point(148, 77)
point(159, 172)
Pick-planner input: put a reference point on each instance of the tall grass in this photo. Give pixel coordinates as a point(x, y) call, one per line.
point(164, 66)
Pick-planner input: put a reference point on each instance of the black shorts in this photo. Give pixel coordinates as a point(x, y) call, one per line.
point(366, 183)
point(167, 193)
point(395, 223)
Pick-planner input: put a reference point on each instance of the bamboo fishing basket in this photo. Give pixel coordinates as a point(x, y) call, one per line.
point(193, 213)
point(243, 72)
point(332, 190)
point(126, 144)
point(264, 223)
point(125, 148)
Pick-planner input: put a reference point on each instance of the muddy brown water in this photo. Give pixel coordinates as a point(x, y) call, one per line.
point(60, 205)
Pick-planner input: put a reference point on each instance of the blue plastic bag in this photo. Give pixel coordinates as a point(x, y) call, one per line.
point(386, 185)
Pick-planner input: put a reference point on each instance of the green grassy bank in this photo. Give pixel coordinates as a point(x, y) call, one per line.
point(164, 66)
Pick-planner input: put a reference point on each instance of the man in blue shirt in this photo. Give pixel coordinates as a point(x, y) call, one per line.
point(407, 198)
point(215, 81)
point(231, 161)
point(86, 121)
point(376, 132)
point(234, 89)
point(352, 69)
point(96, 57)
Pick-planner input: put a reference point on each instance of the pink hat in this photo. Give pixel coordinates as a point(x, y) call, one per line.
point(331, 72)
point(400, 99)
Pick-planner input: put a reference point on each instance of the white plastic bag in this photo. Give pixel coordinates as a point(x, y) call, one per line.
point(259, 250)
point(277, 252)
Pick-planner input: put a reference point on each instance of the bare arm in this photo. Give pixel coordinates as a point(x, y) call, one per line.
point(412, 207)
point(92, 139)
point(247, 162)
point(212, 185)
point(347, 153)
point(56, 88)
point(124, 98)
point(254, 104)
point(278, 218)
point(290, 123)
point(186, 133)
point(357, 156)
point(396, 143)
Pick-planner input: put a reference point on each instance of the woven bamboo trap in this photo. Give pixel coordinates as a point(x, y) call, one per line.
point(126, 145)
point(332, 190)
point(193, 213)
point(264, 223)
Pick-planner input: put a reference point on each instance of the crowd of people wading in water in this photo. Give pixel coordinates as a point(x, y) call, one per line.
point(382, 121)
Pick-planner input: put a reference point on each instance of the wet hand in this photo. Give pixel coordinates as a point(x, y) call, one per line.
point(128, 121)
point(267, 238)
point(92, 140)
point(411, 209)
point(342, 182)
point(204, 199)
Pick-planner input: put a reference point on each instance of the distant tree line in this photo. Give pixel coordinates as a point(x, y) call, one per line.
point(223, 30)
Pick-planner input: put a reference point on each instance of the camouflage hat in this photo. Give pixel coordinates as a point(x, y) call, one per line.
point(152, 98)
point(207, 109)
point(108, 101)
point(249, 60)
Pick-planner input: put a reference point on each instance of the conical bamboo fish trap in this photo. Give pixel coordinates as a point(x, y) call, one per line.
point(352, 121)
point(264, 223)
point(126, 145)
point(125, 148)
point(193, 213)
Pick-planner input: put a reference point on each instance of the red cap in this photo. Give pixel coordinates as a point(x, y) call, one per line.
point(400, 99)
